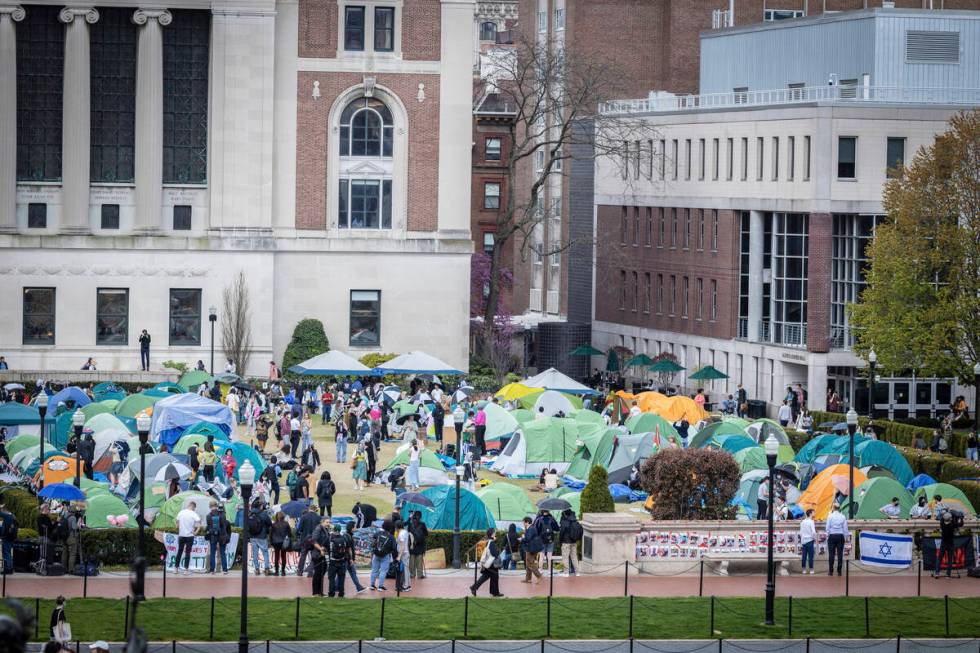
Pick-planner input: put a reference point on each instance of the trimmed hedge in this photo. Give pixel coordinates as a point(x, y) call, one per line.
point(898, 433)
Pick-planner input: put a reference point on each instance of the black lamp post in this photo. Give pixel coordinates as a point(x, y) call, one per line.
point(872, 364)
point(246, 478)
point(772, 451)
point(457, 562)
point(78, 423)
point(976, 396)
point(212, 318)
point(42, 409)
point(852, 424)
point(143, 429)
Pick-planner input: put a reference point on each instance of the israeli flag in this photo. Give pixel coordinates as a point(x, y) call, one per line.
point(886, 549)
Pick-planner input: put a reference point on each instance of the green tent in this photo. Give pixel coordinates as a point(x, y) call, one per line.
point(596, 449)
point(883, 454)
point(575, 499)
point(952, 496)
point(431, 469)
point(187, 441)
point(105, 421)
point(62, 431)
point(877, 492)
point(17, 444)
point(751, 458)
point(649, 423)
point(761, 429)
point(734, 426)
point(500, 422)
point(133, 405)
point(134, 446)
point(167, 516)
point(404, 408)
point(473, 514)
point(99, 507)
point(522, 415)
point(99, 407)
point(85, 484)
point(528, 401)
point(551, 440)
point(506, 502)
point(169, 386)
point(589, 417)
point(193, 379)
point(155, 496)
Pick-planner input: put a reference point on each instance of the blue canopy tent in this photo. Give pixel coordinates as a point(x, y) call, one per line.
point(174, 414)
point(72, 397)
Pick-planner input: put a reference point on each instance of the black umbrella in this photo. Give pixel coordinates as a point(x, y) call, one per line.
point(553, 504)
point(295, 508)
point(416, 498)
point(788, 471)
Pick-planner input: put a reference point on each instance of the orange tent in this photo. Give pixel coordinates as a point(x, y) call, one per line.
point(57, 469)
point(820, 494)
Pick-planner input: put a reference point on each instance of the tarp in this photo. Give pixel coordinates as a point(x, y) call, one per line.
point(679, 407)
point(154, 463)
point(649, 423)
point(552, 379)
point(820, 494)
point(172, 388)
point(108, 390)
point(875, 493)
point(193, 379)
point(724, 427)
point(952, 496)
point(12, 413)
point(629, 450)
point(506, 502)
point(100, 506)
point(473, 514)
point(883, 454)
point(918, 481)
point(431, 469)
point(171, 416)
point(595, 449)
point(72, 395)
point(500, 422)
point(333, 362)
point(133, 405)
point(58, 468)
point(415, 362)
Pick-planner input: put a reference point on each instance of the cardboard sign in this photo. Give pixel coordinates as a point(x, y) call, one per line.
point(199, 552)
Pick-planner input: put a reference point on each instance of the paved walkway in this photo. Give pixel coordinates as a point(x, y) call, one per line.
point(452, 584)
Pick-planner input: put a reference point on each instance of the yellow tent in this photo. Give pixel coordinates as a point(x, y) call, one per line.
point(57, 469)
point(820, 494)
point(515, 391)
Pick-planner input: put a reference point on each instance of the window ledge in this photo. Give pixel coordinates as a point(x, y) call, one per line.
point(848, 180)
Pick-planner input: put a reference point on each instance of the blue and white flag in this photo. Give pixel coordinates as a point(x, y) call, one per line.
point(886, 549)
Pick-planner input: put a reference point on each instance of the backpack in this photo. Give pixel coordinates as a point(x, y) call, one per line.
point(215, 529)
point(338, 547)
point(254, 526)
point(576, 531)
point(547, 534)
point(10, 528)
point(291, 480)
point(384, 544)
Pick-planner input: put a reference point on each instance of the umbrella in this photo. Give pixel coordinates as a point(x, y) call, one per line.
point(640, 360)
point(515, 391)
point(244, 385)
point(62, 492)
point(585, 350)
point(612, 361)
point(391, 393)
point(295, 508)
point(708, 373)
point(14, 386)
point(552, 503)
point(463, 393)
point(331, 363)
point(227, 378)
point(666, 366)
point(422, 398)
point(789, 472)
point(416, 498)
point(171, 471)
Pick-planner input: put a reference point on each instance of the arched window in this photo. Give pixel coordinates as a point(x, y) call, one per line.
point(366, 165)
point(488, 31)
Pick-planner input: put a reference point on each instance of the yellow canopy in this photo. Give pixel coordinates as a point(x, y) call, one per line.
point(515, 391)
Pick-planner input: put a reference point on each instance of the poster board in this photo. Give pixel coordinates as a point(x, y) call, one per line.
point(654, 544)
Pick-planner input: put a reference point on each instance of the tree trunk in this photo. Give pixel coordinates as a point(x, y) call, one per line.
point(485, 341)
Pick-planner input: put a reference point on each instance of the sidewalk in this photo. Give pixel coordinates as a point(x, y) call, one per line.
point(455, 584)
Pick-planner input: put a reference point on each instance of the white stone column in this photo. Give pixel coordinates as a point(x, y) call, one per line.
point(76, 120)
point(149, 118)
point(8, 115)
point(756, 253)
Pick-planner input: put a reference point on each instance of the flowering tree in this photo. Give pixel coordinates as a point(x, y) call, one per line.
point(503, 330)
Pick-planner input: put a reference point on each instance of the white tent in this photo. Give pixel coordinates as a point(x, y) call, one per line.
point(552, 379)
point(330, 363)
point(553, 402)
point(416, 362)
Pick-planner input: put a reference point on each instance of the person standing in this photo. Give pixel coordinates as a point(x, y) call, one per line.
point(414, 458)
point(480, 432)
point(404, 543)
point(490, 564)
point(570, 532)
point(325, 489)
point(381, 552)
point(218, 532)
point(340, 556)
point(459, 420)
point(947, 538)
point(321, 550)
point(836, 533)
point(234, 403)
point(785, 414)
point(762, 500)
point(295, 433)
point(420, 533)
point(145, 351)
point(808, 534)
point(259, 526)
point(280, 536)
point(532, 546)
point(371, 460)
point(8, 535)
point(351, 567)
point(972, 446)
point(741, 401)
point(273, 371)
point(188, 525)
point(305, 526)
point(326, 405)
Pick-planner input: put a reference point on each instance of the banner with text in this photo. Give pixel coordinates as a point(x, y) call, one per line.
point(199, 551)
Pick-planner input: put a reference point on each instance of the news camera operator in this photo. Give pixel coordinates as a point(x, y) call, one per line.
point(949, 521)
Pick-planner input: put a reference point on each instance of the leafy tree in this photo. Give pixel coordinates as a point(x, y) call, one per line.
point(309, 340)
point(921, 308)
point(691, 483)
point(373, 360)
point(236, 327)
point(595, 496)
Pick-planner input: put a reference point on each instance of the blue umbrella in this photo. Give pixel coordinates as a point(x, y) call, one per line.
point(62, 492)
point(295, 508)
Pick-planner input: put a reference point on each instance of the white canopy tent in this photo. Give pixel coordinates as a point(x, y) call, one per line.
point(333, 362)
point(416, 362)
point(552, 379)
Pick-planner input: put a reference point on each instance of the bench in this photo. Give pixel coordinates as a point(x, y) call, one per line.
point(723, 560)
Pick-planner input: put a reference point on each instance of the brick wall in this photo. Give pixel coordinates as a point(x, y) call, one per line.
point(421, 30)
point(818, 284)
point(312, 145)
point(318, 28)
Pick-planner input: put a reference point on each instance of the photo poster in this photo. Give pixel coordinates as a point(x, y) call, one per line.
point(199, 552)
point(693, 545)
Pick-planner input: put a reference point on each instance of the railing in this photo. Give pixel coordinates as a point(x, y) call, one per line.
point(742, 332)
point(780, 96)
point(788, 335)
point(721, 18)
point(842, 338)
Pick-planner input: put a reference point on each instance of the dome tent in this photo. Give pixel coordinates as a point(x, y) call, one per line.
point(883, 454)
point(952, 496)
point(649, 423)
point(629, 450)
point(724, 427)
point(175, 414)
point(875, 493)
point(506, 502)
point(473, 514)
point(431, 469)
point(595, 449)
point(540, 444)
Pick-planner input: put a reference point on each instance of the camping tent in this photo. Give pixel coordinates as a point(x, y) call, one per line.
point(189, 440)
point(133, 405)
point(751, 458)
point(821, 491)
point(19, 418)
point(98, 407)
point(761, 429)
point(552, 379)
point(98, 507)
point(875, 493)
point(595, 449)
point(506, 502)
point(153, 464)
point(629, 450)
point(241, 452)
point(911, 486)
point(193, 379)
point(431, 469)
point(731, 443)
point(724, 427)
point(537, 445)
point(172, 388)
point(551, 402)
point(18, 443)
point(206, 429)
point(649, 423)
point(748, 491)
point(500, 422)
point(589, 417)
point(473, 514)
point(952, 496)
point(883, 454)
point(173, 415)
point(72, 396)
point(104, 422)
point(108, 391)
point(57, 468)
point(167, 517)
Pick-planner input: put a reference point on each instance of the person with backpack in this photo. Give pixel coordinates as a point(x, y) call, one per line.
point(532, 547)
point(280, 536)
point(416, 552)
point(259, 525)
point(320, 542)
point(325, 489)
point(208, 459)
point(547, 530)
point(8, 535)
point(570, 533)
point(217, 531)
point(403, 541)
point(305, 526)
point(382, 550)
point(490, 564)
point(340, 556)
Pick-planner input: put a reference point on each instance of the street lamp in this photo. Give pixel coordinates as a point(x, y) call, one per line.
point(852, 424)
point(246, 477)
point(212, 318)
point(143, 429)
point(976, 396)
point(42, 409)
point(78, 422)
point(872, 363)
point(772, 451)
point(457, 563)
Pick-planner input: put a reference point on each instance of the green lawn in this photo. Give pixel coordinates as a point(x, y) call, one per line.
point(406, 618)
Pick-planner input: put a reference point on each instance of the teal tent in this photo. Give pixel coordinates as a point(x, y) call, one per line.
point(731, 443)
point(883, 454)
point(108, 390)
point(13, 413)
point(193, 379)
point(724, 427)
point(596, 449)
point(809, 451)
point(206, 429)
point(241, 452)
point(473, 513)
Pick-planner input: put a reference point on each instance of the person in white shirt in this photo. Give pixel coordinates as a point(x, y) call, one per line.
point(634, 410)
point(188, 525)
point(836, 532)
point(808, 534)
point(404, 541)
point(230, 367)
point(892, 510)
point(785, 414)
point(920, 510)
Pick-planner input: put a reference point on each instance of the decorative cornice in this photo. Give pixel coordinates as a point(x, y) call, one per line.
point(505, 9)
point(162, 16)
point(69, 14)
point(16, 12)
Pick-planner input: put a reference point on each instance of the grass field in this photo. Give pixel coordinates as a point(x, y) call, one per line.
point(405, 618)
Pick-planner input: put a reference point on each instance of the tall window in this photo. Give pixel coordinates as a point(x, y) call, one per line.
point(354, 28)
point(674, 159)
point(185, 316)
point(700, 229)
point(660, 294)
point(491, 195)
point(730, 169)
point(775, 158)
point(112, 316)
point(673, 294)
point(663, 159)
point(492, 148)
point(624, 226)
point(790, 157)
point(648, 241)
point(634, 289)
point(39, 314)
point(760, 146)
point(542, 22)
point(622, 290)
point(715, 155)
point(488, 31)
point(687, 158)
point(661, 227)
point(846, 157)
point(789, 277)
point(185, 97)
point(560, 18)
point(384, 29)
point(40, 80)
point(701, 156)
point(488, 241)
point(745, 159)
point(714, 300)
point(687, 228)
point(699, 289)
point(849, 267)
point(647, 292)
point(685, 297)
point(636, 226)
point(365, 318)
point(113, 96)
point(673, 228)
point(366, 131)
point(895, 157)
point(714, 230)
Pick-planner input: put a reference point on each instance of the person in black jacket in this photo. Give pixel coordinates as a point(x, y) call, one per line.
point(340, 556)
point(86, 451)
point(351, 567)
point(416, 552)
point(259, 525)
point(489, 566)
point(321, 549)
point(145, 351)
point(325, 489)
point(305, 526)
point(948, 523)
point(512, 548)
point(531, 547)
point(569, 534)
point(547, 531)
point(280, 536)
point(365, 514)
point(218, 532)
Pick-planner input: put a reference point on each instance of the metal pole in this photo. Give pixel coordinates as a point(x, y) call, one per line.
point(631, 616)
point(770, 567)
point(297, 618)
point(381, 629)
point(164, 576)
point(140, 593)
point(211, 627)
point(126, 619)
point(790, 631)
point(246, 496)
point(457, 563)
point(851, 428)
point(626, 578)
point(42, 411)
point(701, 579)
point(466, 616)
point(847, 578)
point(918, 579)
point(946, 610)
point(976, 396)
point(37, 614)
point(867, 617)
point(871, 396)
point(551, 579)
point(212, 319)
point(711, 617)
point(78, 457)
point(549, 615)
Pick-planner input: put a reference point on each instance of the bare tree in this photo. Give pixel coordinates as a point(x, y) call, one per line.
point(551, 91)
point(236, 327)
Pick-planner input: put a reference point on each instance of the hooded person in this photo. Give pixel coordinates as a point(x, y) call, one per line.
point(570, 533)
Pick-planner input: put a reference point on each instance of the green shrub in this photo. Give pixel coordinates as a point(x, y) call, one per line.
point(898, 433)
point(971, 489)
point(596, 496)
point(373, 360)
point(309, 339)
point(484, 383)
point(177, 366)
point(22, 505)
point(468, 540)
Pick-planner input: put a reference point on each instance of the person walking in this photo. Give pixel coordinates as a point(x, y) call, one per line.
point(480, 432)
point(420, 533)
point(259, 526)
point(570, 532)
point(381, 552)
point(532, 546)
point(325, 489)
point(340, 556)
point(340, 437)
point(321, 552)
point(305, 526)
point(295, 436)
point(188, 525)
point(808, 535)
point(281, 537)
point(490, 564)
point(359, 467)
point(144, 351)
point(512, 548)
point(351, 567)
point(836, 529)
point(8, 535)
point(414, 463)
point(547, 530)
point(218, 532)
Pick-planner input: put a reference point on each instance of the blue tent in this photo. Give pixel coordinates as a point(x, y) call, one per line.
point(919, 481)
point(884, 454)
point(174, 414)
point(13, 413)
point(473, 513)
point(72, 394)
point(242, 452)
point(812, 449)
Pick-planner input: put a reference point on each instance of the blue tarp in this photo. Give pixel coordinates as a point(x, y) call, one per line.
point(70, 394)
point(919, 481)
point(622, 494)
point(173, 415)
